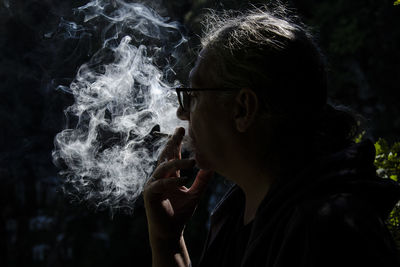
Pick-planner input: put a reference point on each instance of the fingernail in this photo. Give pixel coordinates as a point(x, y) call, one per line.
point(180, 130)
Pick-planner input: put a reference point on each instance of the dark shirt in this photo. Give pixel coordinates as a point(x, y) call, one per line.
point(331, 213)
point(234, 236)
point(240, 241)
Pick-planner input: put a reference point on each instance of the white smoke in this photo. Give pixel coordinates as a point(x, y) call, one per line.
point(120, 95)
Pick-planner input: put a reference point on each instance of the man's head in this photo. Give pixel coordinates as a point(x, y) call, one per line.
point(277, 76)
point(270, 53)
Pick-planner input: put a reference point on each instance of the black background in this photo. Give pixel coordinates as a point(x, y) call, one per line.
point(42, 227)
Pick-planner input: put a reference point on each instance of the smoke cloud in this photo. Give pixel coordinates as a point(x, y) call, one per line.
point(121, 95)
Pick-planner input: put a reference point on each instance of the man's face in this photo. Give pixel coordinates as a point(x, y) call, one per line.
point(209, 125)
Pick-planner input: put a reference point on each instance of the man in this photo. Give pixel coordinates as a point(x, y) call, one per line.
point(305, 194)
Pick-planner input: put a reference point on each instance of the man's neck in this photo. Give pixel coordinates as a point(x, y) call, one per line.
point(254, 197)
point(255, 185)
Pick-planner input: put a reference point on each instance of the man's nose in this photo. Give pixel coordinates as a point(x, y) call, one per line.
point(182, 114)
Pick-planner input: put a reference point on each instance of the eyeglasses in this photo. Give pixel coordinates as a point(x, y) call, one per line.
point(184, 96)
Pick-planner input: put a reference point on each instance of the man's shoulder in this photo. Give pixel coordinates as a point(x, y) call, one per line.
point(338, 218)
point(339, 208)
point(330, 204)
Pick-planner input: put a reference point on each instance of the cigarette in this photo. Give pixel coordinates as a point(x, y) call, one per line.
point(165, 135)
point(160, 134)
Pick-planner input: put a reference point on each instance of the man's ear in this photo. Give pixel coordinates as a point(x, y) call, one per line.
point(246, 107)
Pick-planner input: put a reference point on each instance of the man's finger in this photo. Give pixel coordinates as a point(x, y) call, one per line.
point(178, 136)
point(168, 184)
point(201, 181)
point(172, 148)
point(170, 167)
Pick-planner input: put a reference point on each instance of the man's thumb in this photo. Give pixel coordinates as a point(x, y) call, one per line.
point(201, 181)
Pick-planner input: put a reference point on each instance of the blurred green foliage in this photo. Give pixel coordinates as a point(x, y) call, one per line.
point(397, 3)
point(387, 162)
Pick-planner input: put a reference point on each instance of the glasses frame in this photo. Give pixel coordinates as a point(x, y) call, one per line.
point(180, 90)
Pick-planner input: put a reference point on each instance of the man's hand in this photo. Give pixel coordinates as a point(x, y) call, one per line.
point(169, 204)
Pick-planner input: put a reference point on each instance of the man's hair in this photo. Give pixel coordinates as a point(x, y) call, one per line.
point(270, 51)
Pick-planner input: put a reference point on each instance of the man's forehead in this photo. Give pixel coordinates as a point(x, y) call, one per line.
point(196, 73)
point(194, 79)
